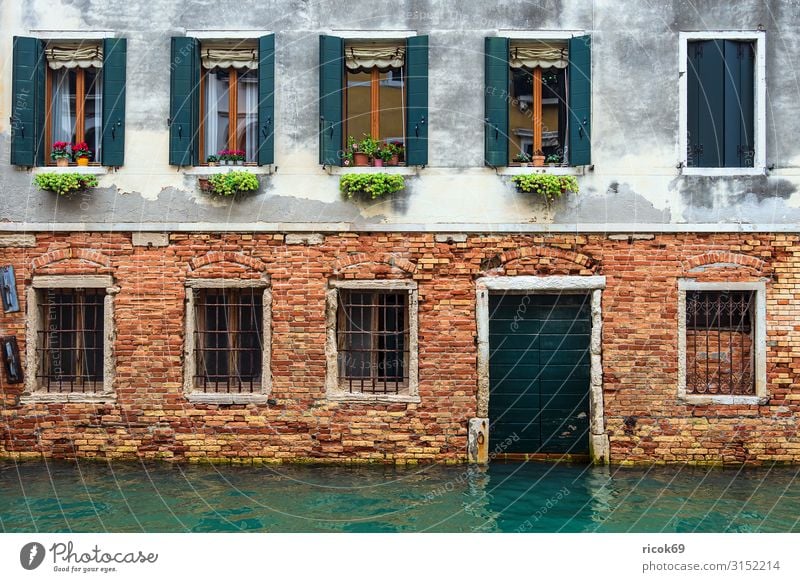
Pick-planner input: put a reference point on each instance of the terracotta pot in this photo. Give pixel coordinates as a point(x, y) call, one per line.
point(538, 161)
point(394, 160)
point(204, 184)
point(377, 162)
point(211, 164)
point(83, 161)
point(360, 159)
point(62, 162)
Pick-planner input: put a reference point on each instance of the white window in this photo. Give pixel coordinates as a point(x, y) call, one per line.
point(722, 102)
point(227, 342)
point(70, 338)
point(721, 342)
point(371, 345)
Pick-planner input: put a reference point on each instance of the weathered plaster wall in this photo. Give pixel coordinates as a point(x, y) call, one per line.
point(635, 114)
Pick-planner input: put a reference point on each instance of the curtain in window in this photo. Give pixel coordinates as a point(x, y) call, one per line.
point(62, 110)
point(248, 114)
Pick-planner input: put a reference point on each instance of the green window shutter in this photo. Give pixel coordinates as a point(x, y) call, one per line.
point(495, 91)
point(114, 56)
point(184, 114)
point(266, 99)
point(331, 84)
point(579, 116)
point(27, 102)
point(706, 103)
point(693, 142)
point(739, 96)
point(417, 101)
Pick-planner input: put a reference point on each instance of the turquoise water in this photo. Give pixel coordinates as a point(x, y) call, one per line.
point(91, 496)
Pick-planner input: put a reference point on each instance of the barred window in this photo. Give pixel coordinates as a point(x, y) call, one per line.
point(373, 341)
point(719, 343)
point(228, 340)
point(70, 340)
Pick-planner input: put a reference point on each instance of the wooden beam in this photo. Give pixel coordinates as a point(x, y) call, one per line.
point(80, 105)
point(375, 103)
point(233, 111)
point(537, 109)
point(203, 113)
point(48, 121)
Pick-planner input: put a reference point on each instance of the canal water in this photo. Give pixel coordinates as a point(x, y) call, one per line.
point(532, 497)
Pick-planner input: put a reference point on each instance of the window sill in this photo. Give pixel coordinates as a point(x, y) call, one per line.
point(554, 170)
point(205, 398)
point(52, 397)
point(89, 170)
point(723, 171)
point(211, 170)
point(401, 170)
point(361, 397)
point(696, 399)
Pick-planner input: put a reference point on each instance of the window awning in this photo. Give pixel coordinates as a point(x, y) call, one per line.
point(539, 54)
point(367, 56)
point(66, 56)
point(225, 57)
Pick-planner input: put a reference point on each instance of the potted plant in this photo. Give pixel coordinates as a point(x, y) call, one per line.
point(63, 184)
point(61, 154)
point(383, 155)
point(211, 160)
point(82, 153)
point(548, 186)
point(369, 146)
point(238, 157)
point(370, 185)
point(394, 149)
point(230, 183)
point(538, 159)
point(553, 159)
point(523, 159)
point(224, 157)
point(355, 154)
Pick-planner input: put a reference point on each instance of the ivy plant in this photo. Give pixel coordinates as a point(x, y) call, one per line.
point(63, 184)
point(547, 186)
point(232, 183)
point(372, 185)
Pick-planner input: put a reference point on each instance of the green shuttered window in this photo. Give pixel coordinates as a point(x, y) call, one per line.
point(495, 95)
point(27, 102)
point(331, 82)
point(720, 90)
point(114, 57)
point(184, 113)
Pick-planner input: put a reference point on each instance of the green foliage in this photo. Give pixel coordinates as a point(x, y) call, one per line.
point(368, 145)
point(65, 183)
point(372, 185)
point(522, 157)
point(232, 183)
point(548, 186)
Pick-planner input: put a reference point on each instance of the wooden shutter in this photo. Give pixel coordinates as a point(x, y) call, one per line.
point(266, 99)
point(27, 102)
point(184, 114)
point(739, 90)
point(579, 116)
point(8, 289)
point(114, 57)
point(417, 101)
point(495, 91)
point(331, 84)
point(705, 103)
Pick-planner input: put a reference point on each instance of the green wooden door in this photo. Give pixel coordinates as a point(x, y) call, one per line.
point(539, 373)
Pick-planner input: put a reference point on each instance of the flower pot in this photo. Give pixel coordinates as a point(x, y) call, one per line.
point(62, 162)
point(204, 184)
point(538, 161)
point(240, 162)
point(360, 159)
point(394, 160)
point(377, 162)
point(212, 164)
point(83, 161)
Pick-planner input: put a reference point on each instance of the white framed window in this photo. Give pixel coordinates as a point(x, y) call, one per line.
point(227, 341)
point(722, 342)
point(70, 338)
point(722, 101)
point(371, 343)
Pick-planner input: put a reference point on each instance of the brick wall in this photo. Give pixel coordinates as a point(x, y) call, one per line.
point(151, 417)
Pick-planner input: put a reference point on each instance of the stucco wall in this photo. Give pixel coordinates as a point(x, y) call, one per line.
point(634, 182)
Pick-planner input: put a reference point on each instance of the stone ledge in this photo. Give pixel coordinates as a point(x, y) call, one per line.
point(304, 239)
point(450, 238)
point(377, 398)
point(203, 398)
point(17, 240)
point(51, 397)
point(731, 400)
point(150, 239)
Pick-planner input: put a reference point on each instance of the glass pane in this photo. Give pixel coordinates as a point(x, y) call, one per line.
point(216, 114)
point(247, 127)
point(552, 115)
point(553, 112)
point(93, 119)
point(358, 104)
point(520, 116)
point(392, 106)
point(62, 107)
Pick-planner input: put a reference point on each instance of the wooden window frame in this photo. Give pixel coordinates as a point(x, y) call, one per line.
point(233, 105)
point(374, 105)
point(80, 112)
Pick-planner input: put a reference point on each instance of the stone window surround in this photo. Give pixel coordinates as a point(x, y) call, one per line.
point(598, 439)
point(759, 104)
point(759, 342)
point(191, 394)
point(332, 388)
point(33, 392)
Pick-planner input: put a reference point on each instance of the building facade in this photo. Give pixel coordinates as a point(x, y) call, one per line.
point(651, 316)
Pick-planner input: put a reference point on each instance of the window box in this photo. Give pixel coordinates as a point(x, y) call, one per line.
point(229, 184)
point(371, 346)
point(372, 185)
point(549, 187)
point(65, 183)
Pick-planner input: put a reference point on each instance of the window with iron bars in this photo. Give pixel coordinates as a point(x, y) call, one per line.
point(719, 343)
point(228, 340)
point(70, 340)
point(372, 341)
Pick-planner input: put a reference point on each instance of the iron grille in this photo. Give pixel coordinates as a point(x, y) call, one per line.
point(372, 341)
point(719, 342)
point(70, 340)
point(228, 340)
